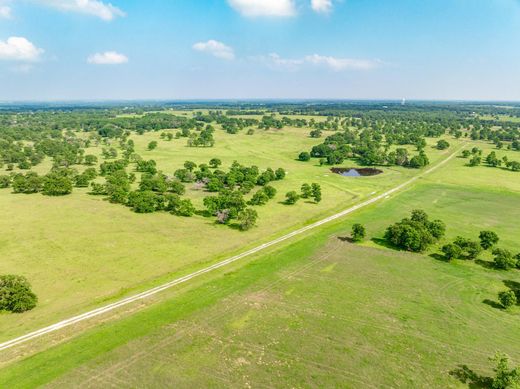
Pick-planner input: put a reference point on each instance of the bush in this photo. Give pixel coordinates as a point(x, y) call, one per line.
point(504, 259)
point(451, 251)
point(488, 239)
point(304, 156)
point(507, 298)
point(442, 144)
point(16, 294)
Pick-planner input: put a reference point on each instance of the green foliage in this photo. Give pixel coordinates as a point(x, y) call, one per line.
point(503, 259)
point(16, 294)
point(304, 156)
point(247, 219)
point(442, 144)
point(28, 183)
point(416, 233)
point(488, 239)
point(316, 192)
point(306, 191)
point(152, 145)
point(226, 205)
point(505, 377)
point(451, 251)
point(291, 197)
point(469, 249)
point(507, 298)
point(57, 184)
point(358, 232)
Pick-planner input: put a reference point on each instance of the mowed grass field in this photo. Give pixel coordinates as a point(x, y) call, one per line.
point(80, 251)
point(321, 312)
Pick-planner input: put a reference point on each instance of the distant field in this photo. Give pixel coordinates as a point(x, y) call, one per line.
point(55, 240)
point(321, 312)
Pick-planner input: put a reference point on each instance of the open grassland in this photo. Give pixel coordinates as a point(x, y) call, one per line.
point(80, 251)
point(322, 312)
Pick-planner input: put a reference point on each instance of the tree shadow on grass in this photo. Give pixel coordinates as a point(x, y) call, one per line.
point(384, 243)
point(439, 257)
point(485, 264)
point(467, 376)
point(493, 304)
point(346, 239)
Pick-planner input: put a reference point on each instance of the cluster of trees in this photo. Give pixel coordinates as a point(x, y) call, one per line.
point(16, 294)
point(491, 159)
point(464, 248)
point(58, 182)
point(416, 233)
point(368, 147)
point(306, 191)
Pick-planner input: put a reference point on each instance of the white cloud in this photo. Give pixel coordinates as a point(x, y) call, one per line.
point(105, 11)
point(321, 6)
point(107, 58)
point(17, 48)
point(215, 48)
point(338, 64)
point(275, 61)
point(254, 8)
point(5, 12)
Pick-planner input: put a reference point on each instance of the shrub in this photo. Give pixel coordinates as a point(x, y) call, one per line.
point(304, 156)
point(16, 294)
point(488, 239)
point(507, 298)
point(504, 259)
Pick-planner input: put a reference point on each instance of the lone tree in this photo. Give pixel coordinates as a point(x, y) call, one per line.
point(358, 232)
point(16, 294)
point(291, 197)
point(442, 144)
point(304, 156)
point(507, 298)
point(488, 239)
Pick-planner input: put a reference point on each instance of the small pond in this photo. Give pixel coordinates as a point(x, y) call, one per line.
point(356, 172)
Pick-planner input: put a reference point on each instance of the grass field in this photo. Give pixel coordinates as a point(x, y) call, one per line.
point(55, 239)
point(321, 312)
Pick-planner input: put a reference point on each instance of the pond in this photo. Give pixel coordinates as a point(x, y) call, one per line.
point(356, 172)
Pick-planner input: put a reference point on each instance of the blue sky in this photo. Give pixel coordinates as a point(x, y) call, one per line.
point(197, 49)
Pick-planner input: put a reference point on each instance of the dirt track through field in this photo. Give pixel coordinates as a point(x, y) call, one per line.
point(153, 291)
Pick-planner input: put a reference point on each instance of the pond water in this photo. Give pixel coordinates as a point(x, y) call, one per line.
point(355, 172)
